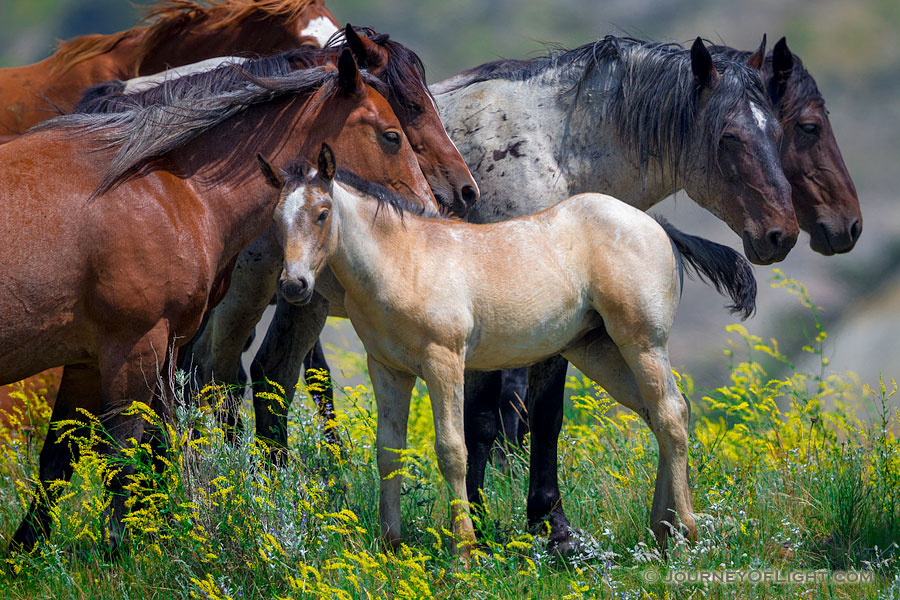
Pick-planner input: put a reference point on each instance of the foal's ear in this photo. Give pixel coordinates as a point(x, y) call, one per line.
point(273, 177)
point(356, 46)
point(702, 65)
point(782, 63)
point(757, 59)
point(349, 78)
point(326, 165)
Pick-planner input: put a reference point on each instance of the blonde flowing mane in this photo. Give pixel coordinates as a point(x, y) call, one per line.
point(165, 18)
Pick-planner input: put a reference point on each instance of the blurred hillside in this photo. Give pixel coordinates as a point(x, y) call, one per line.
point(853, 50)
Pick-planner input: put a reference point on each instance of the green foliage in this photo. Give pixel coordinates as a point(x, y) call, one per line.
point(784, 476)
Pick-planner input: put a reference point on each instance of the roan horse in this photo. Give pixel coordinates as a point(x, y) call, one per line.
point(180, 32)
point(116, 258)
point(591, 277)
point(634, 119)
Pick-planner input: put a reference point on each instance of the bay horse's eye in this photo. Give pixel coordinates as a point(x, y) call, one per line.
point(322, 216)
point(392, 137)
point(809, 128)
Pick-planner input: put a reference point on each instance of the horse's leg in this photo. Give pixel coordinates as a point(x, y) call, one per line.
point(393, 390)
point(546, 387)
point(639, 376)
point(291, 334)
point(79, 388)
point(318, 377)
point(482, 394)
point(217, 351)
point(513, 402)
point(443, 372)
point(129, 372)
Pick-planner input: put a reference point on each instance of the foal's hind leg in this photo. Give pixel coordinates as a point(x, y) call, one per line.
point(639, 376)
point(293, 331)
point(79, 388)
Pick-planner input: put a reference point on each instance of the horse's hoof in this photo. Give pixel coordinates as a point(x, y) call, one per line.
point(567, 545)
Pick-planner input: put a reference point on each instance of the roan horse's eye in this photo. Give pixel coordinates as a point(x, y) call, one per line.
point(729, 137)
point(809, 128)
point(392, 137)
point(322, 216)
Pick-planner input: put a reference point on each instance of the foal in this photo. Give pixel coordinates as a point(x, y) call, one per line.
point(606, 302)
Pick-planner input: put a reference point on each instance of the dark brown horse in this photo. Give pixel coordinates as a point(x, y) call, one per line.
point(114, 260)
point(179, 32)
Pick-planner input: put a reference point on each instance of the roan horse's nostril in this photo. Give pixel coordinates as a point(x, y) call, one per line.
point(774, 238)
point(469, 195)
point(855, 230)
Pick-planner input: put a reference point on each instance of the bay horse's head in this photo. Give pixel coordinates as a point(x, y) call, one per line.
point(823, 193)
point(403, 73)
point(746, 186)
point(304, 218)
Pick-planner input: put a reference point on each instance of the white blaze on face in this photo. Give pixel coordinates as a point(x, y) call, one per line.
point(759, 115)
point(321, 28)
point(139, 84)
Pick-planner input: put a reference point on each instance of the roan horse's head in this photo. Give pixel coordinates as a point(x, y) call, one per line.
point(746, 186)
point(304, 217)
point(824, 195)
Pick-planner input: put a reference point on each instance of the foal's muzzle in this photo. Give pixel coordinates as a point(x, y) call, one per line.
point(296, 290)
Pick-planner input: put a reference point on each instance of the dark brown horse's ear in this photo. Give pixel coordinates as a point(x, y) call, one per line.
point(326, 164)
point(757, 59)
point(349, 78)
point(356, 46)
point(272, 176)
point(782, 63)
point(702, 65)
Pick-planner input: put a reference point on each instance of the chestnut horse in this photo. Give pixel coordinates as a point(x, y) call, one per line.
point(180, 32)
point(115, 259)
point(591, 277)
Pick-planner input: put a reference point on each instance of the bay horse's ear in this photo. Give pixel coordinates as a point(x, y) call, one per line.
point(326, 164)
point(272, 176)
point(757, 59)
point(356, 46)
point(349, 78)
point(782, 64)
point(705, 73)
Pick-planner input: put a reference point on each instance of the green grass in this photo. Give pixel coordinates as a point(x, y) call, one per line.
point(785, 476)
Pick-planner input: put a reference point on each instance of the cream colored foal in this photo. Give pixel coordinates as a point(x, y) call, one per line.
point(591, 277)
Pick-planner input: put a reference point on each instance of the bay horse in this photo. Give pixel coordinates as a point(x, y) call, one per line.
point(179, 32)
point(114, 261)
point(822, 191)
point(591, 277)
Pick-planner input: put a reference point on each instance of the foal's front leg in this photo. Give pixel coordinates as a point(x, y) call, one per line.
point(392, 394)
point(443, 373)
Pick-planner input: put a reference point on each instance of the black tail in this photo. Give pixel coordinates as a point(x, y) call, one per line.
point(728, 271)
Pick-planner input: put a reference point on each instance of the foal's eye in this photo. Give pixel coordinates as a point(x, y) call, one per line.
point(809, 128)
point(322, 216)
point(392, 137)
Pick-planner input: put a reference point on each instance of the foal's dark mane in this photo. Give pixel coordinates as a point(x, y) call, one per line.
point(300, 172)
point(801, 87)
point(652, 97)
point(147, 125)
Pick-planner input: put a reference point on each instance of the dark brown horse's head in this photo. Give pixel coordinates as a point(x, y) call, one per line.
point(823, 193)
point(746, 186)
point(400, 68)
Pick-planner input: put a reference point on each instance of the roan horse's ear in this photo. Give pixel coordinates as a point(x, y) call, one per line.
point(356, 46)
point(782, 64)
point(272, 176)
point(757, 59)
point(702, 65)
point(349, 78)
point(326, 164)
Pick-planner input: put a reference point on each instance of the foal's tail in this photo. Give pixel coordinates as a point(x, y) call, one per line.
point(728, 271)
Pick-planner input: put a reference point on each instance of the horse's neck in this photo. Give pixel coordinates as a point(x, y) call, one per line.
point(511, 132)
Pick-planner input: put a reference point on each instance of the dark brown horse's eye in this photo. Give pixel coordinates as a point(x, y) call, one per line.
point(809, 128)
point(392, 137)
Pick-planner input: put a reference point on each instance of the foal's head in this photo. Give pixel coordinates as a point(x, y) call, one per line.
point(304, 218)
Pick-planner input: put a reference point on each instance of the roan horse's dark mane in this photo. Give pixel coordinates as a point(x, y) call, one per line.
point(801, 88)
point(652, 96)
point(300, 172)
